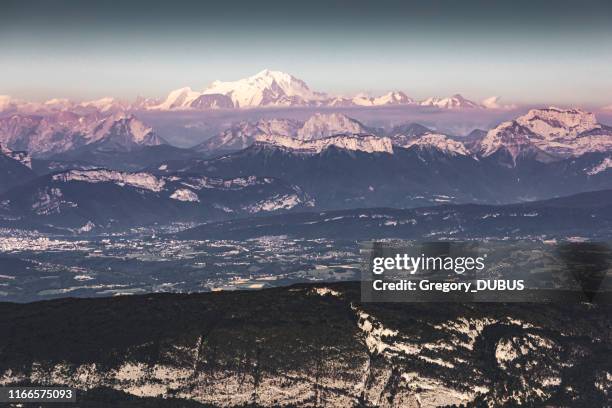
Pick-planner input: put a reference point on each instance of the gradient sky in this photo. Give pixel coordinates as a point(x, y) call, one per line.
point(557, 52)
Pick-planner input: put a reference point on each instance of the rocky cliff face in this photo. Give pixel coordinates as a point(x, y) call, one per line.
point(309, 345)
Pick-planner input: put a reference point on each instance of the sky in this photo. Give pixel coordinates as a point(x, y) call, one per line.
point(527, 52)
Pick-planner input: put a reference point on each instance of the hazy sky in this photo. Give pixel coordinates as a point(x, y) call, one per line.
point(525, 51)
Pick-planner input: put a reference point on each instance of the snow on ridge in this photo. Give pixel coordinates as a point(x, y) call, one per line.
point(177, 99)
point(58, 132)
point(456, 101)
point(264, 88)
point(184, 194)
point(390, 98)
point(440, 142)
point(603, 166)
point(393, 98)
point(556, 131)
point(321, 125)
point(553, 122)
point(104, 104)
point(145, 181)
point(363, 143)
point(237, 183)
point(511, 135)
point(20, 156)
point(277, 202)
point(140, 131)
point(242, 134)
point(276, 88)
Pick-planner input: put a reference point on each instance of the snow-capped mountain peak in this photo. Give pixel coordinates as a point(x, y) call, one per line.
point(124, 131)
point(363, 143)
point(243, 134)
point(456, 101)
point(323, 125)
point(63, 131)
point(179, 98)
point(320, 125)
point(390, 98)
point(393, 98)
point(557, 132)
point(277, 88)
point(266, 88)
point(552, 123)
point(440, 142)
point(511, 136)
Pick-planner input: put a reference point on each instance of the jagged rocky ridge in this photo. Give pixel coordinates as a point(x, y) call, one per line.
point(49, 134)
point(243, 134)
point(542, 134)
point(310, 345)
point(548, 134)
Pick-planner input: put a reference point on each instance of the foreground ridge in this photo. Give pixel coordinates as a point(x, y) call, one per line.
point(310, 345)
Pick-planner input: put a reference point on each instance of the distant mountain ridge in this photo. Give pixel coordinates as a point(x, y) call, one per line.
point(330, 161)
point(84, 200)
point(587, 215)
point(44, 135)
point(453, 102)
point(267, 88)
point(344, 171)
point(243, 134)
point(275, 88)
point(549, 133)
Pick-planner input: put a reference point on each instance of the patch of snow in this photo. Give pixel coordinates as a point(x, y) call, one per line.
point(324, 125)
point(142, 180)
point(440, 142)
point(365, 143)
point(326, 292)
point(277, 202)
point(184, 194)
point(452, 102)
point(603, 166)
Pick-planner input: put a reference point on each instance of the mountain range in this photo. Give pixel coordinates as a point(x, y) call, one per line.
point(274, 88)
point(81, 200)
point(267, 88)
point(549, 133)
point(95, 168)
point(554, 152)
point(552, 133)
point(45, 135)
